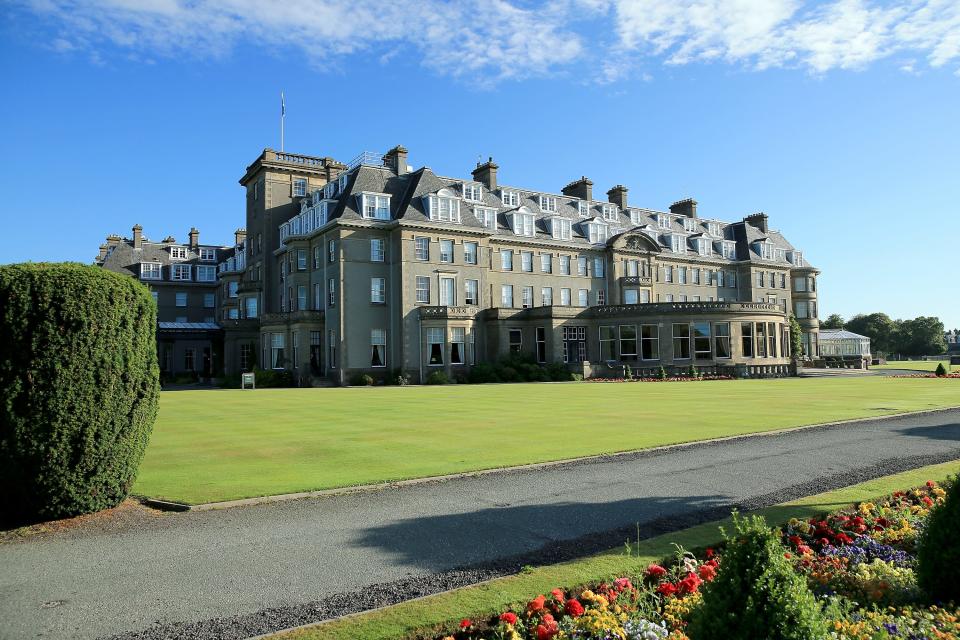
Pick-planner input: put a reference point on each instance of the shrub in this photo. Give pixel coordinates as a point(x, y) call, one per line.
point(273, 378)
point(662, 374)
point(398, 377)
point(80, 384)
point(938, 550)
point(361, 380)
point(483, 372)
point(557, 372)
point(757, 593)
point(692, 372)
point(438, 377)
point(941, 370)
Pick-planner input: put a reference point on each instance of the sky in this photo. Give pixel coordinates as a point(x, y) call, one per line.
point(839, 119)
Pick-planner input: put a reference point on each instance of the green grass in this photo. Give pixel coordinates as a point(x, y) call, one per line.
point(913, 365)
point(441, 612)
point(221, 445)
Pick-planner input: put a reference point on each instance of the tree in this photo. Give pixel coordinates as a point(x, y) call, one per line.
point(833, 321)
point(878, 327)
point(796, 337)
point(922, 336)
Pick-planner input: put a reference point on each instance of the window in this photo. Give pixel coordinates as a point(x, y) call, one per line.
point(681, 341)
point(581, 265)
point(668, 297)
point(730, 250)
point(667, 273)
point(422, 248)
point(731, 278)
point(682, 298)
point(761, 279)
point(598, 267)
point(471, 289)
point(582, 297)
point(378, 347)
point(150, 270)
point(250, 307)
point(601, 297)
point(526, 297)
point(180, 272)
point(301, 259)
point(597, 233)
point(713, 228)
point(516, 340)
point(423, 290)
point(546, 296)
point(510, 198)
point(232, 289)
point(522, 224)
point(276, 350)
point(188, 359)
point(209, 301)
point(701, 341)
point(435, 346)
point(486, 217)
point(299, 187)
point(378, 290)
point(548, 203)
point(561, 229)
point(506, 296)
point(471, 347)
point(526, 261)
point(332, 349)
point(181, 298)
point(650, 342)
point(181, 319)
point(574, 344)
point(630, 296)
point(375, 206)
point(764, 249)
point(376, 250)
point(332, 251)
point(444, 209)
point(178, 253)
point(720, 276)
point(690, 225)
point(331, 292)
point(663, 221)
point(771, 340)
point(583, 208)
point(721, 339)
point(607, 338)
point(457, 339)
point(631, 268)
point(541, 336)
point(682, 275)
point(472, 192)
point(565, 297)
point(644, 296)
point(564, 265)
point(695, 276)
point(470, 252)
point(678, 243)
point(610, 212)
point(761, 333)
point(783, 281)
point(446, 251)
point(448, 292)
point(317, 297)
point(316, 257)
point(546, 262)
point(703, 246)
point(801, 309)
point(628, 342)
point(506, 260)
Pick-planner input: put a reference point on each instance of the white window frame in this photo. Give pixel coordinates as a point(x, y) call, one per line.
point(690, 225)
point(506, 296)
point(663, 221)
point(208, 255)
point(510, 198)
point(473, 300)
point(610, 212)
point(378, 290)
point(561, 228)
point(421, 248)
point(298, 187)
point(583, 208)
point(154, 272)
point(548, 203)
point(375, 206)
point(471, 252)
point(486, 217)
point(377, 250)
point(446, 257)
point(177, 271)
point(423, 289)
point(473, 192)
point(524, 224)
point(178, 253)
point(378, 340)
point(206, 273)
point(444, 207)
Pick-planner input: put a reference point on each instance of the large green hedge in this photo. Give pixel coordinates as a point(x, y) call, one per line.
point(938, 551)
point(79, 386)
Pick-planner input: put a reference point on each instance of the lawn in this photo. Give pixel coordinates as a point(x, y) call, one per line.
point(222, 445)
point(913, 365)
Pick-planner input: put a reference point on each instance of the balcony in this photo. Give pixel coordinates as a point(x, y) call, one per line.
point(668, 308)
point(449, 313)
point(635, 281)
point(286, 317)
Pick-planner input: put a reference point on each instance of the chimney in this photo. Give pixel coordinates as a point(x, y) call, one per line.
point(137, 236)
point(618, 196)
point(582, 188)
point(194, 238)
point(486, 173)
point(396, 159)
point(687, 207)
point(104, 248)
point(758, 220)
point(239, 236)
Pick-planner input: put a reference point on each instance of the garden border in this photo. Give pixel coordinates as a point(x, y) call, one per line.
point(169, 505)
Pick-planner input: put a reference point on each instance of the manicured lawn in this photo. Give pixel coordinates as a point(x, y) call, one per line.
point(441, 612)
point(221, 445)
point(913, 365)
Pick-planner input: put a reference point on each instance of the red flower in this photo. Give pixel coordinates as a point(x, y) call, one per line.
point(927, 501)
point(465, 624)
point(667, 589)
point(622, 583)
point(709, 552)
point(707, 573)
point(557, 593)
point(547, 628)
point(573, 608)
point(843, 538)
point(804, 549)
point(656, 571)
point(931, 484)
point(536, 604)
point(689, 584)
point(509, 617)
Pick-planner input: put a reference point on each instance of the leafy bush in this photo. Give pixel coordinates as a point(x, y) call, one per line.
point(557, 372)
point(692, 372)
point(438, 377)
point(757, 593)
point(273, 378)
point(941, 370)
point(662, 374)
point(398, 377)
point(80, 386)
point(938, 550)
point(483, 372)
point(361, 380)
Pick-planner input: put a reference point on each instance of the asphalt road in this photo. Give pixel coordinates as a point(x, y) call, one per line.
point(202, 565)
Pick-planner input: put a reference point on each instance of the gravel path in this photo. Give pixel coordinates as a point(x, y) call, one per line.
point(250, 570)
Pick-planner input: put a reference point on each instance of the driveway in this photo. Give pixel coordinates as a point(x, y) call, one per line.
point(248, 570)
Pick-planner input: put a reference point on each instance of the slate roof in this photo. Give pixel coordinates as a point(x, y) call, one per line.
point(123, 258)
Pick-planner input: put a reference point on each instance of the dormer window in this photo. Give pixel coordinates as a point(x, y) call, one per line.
point(444, 206)
point(330, 190)
point(597, 232)
point(342, 182)
point(208, 255)
point(796, 258)
point(180, 272)
point(663, 221)
point(150, 270)
point(472, 192)
point(375, 206)
point(583, 208)
point(548, 203)
point(714, 229)
point(561, 228)
point(316, 196)
point(610, 212)
point(779, 255)
point(510, 198)
point(636, 217)
point(522, 223)
point(729, 250)
point(703, 246)
point(486, 217)
point(178, 253)
point(764, 248)
point(690, 224)
point(678, 242)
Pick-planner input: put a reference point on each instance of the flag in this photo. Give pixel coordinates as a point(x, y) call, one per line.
point(283, 106)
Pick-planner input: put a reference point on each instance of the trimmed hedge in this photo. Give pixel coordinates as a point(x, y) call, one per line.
point(938, 550)
point(79, 383)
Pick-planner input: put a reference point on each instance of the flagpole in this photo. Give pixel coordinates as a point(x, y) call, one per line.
point(283, 114)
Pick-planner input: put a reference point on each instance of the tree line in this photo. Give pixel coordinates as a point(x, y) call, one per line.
point(920, 336)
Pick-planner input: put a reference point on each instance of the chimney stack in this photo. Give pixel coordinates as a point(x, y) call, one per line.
point(137, 236)
point(686, 207)
point(194, 238)
point(758, 220)
point(396, 159)
point(582, 188)
point(618, 196)
point(104, 248)
point(486, 174)
point(239, 236)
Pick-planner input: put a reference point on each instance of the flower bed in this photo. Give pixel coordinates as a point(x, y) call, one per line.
point(698, 378)
point(926, 375)
point(859, 562)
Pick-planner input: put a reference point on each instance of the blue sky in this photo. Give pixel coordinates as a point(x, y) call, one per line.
point(839, 119)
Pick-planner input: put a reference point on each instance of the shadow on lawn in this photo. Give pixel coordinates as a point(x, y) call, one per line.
point(507, 537)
